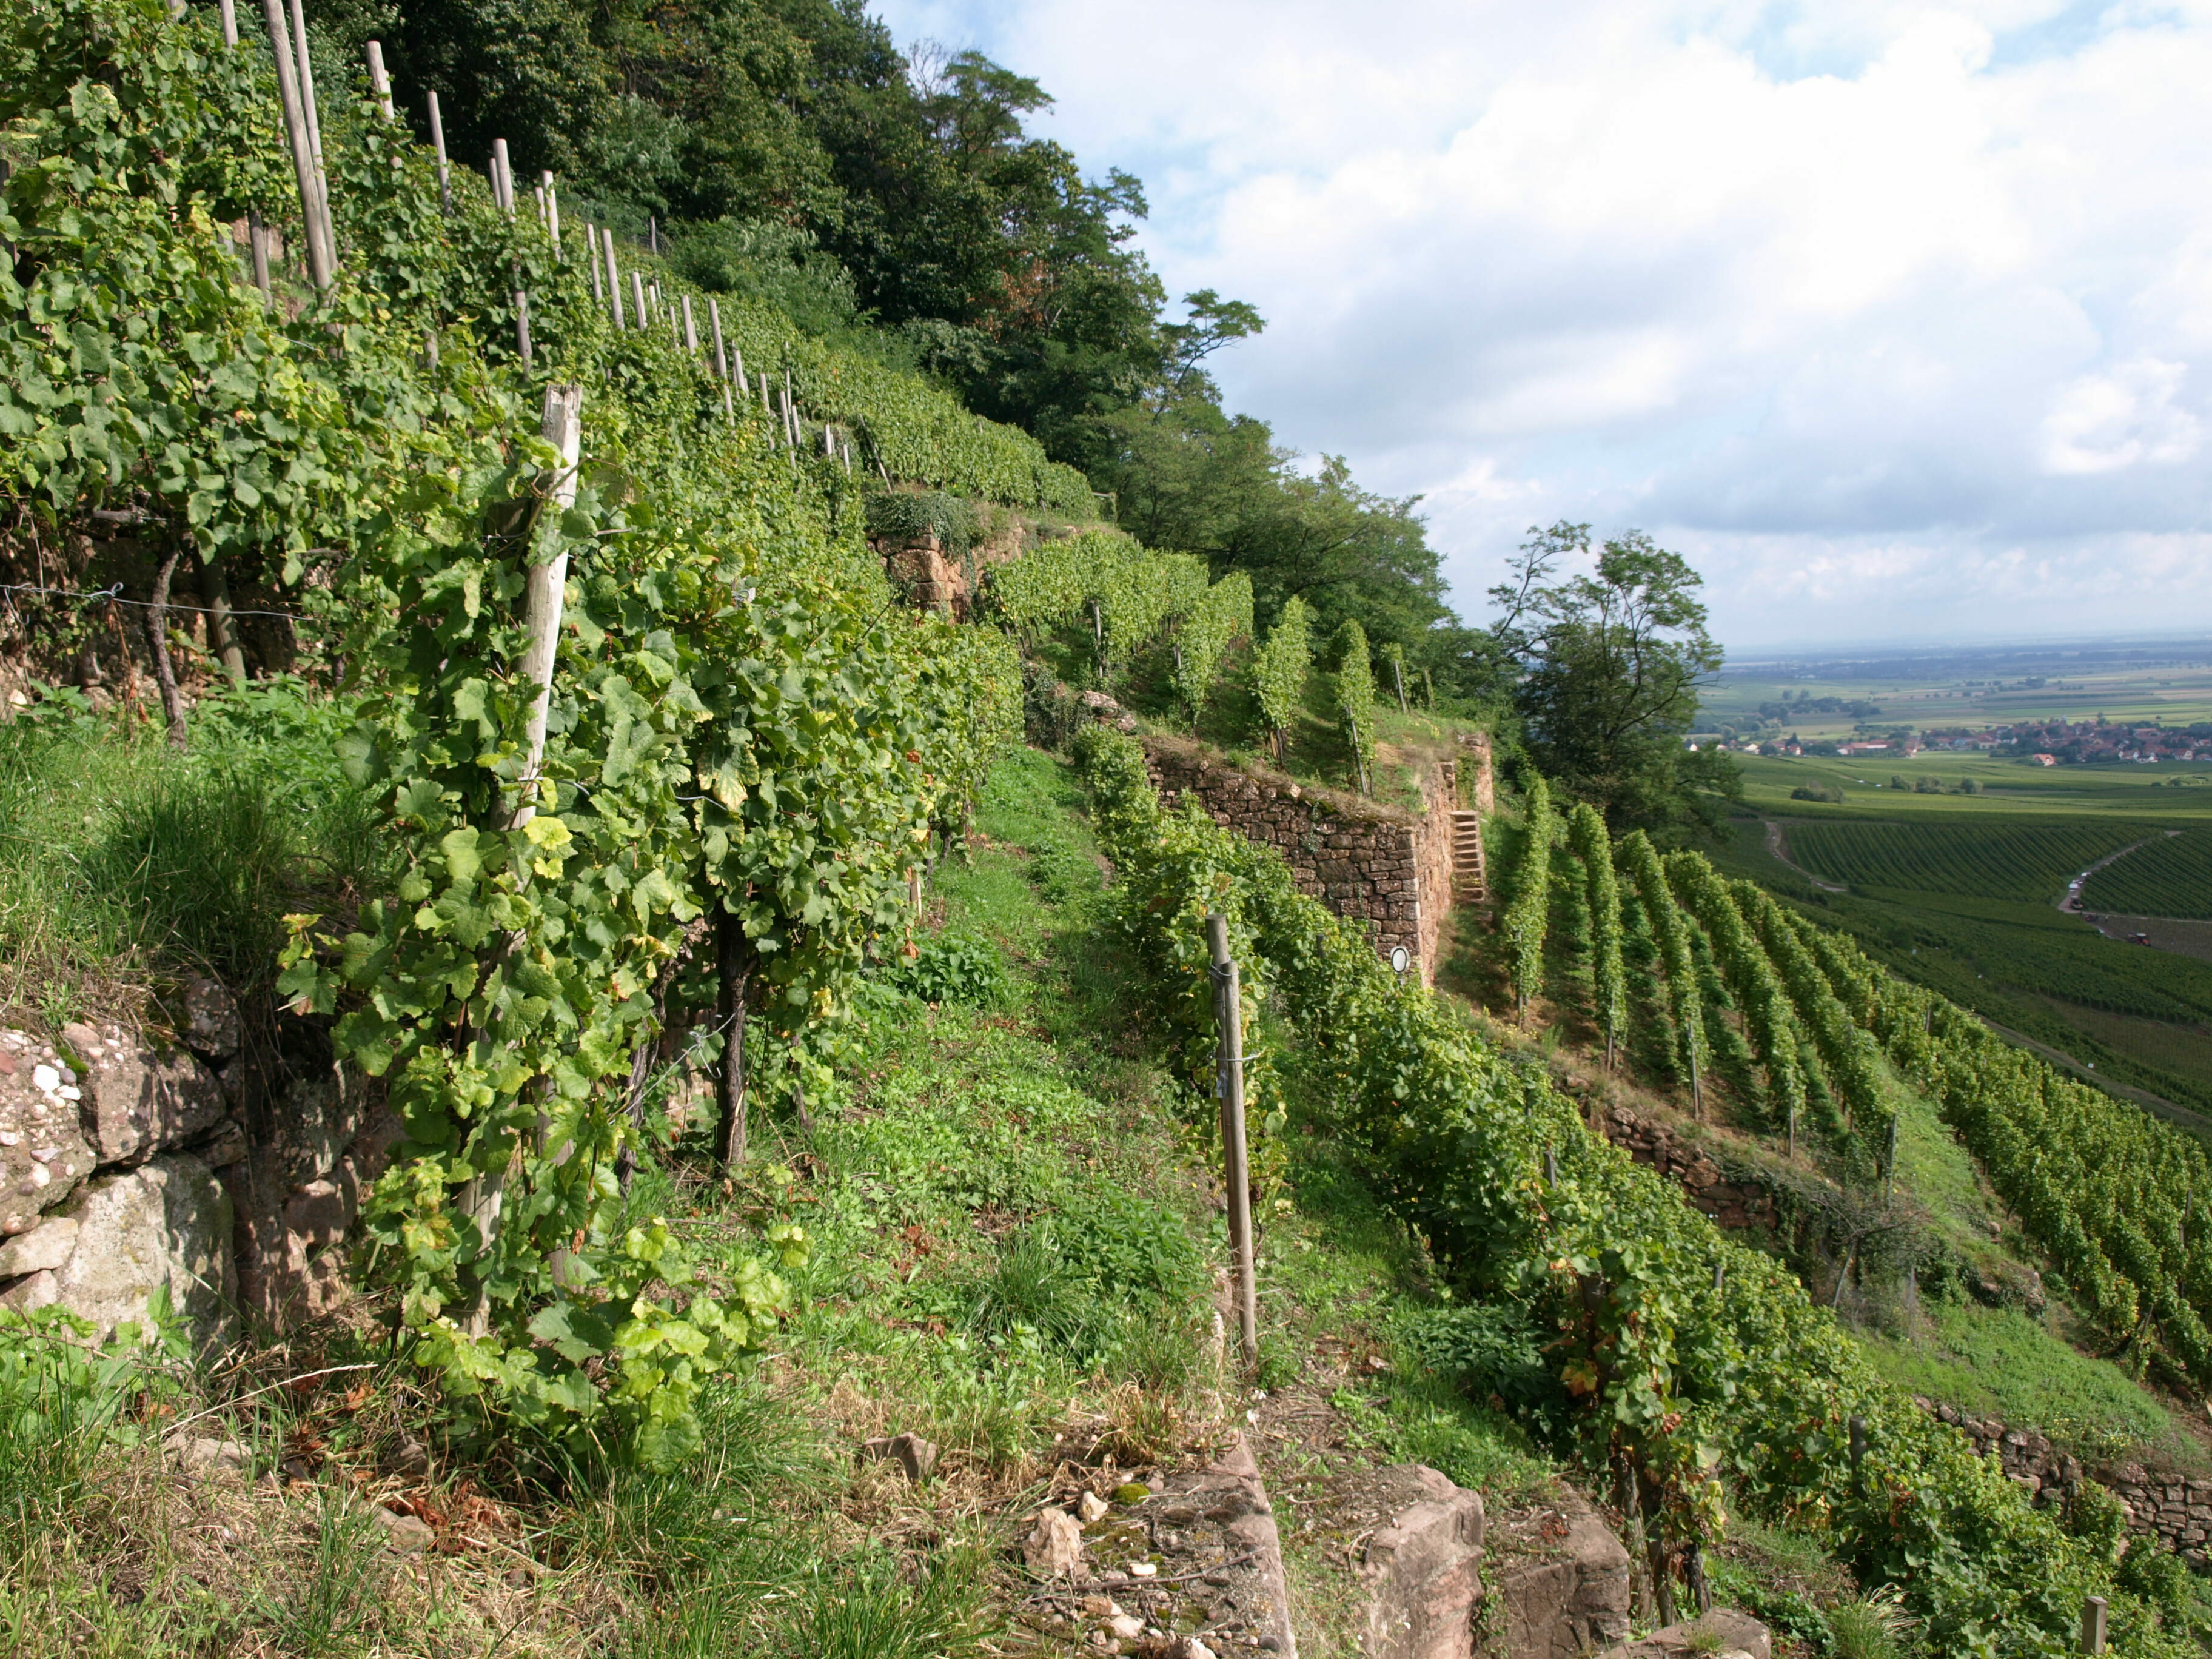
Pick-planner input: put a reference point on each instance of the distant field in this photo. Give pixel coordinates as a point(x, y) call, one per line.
point(1984, 856)
point(2171, 876)
point(2175, 691)
point(2005, 788)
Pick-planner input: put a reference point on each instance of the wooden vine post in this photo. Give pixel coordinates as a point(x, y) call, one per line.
point(733, 959)
point(562, 425)
point(552, 210)
point(319, 262)
point(378, 81)
point(445, 167)
point(322, 208)
point(1236, 1175)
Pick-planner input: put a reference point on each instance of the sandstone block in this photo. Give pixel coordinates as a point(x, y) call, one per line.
point(1421, 1569)
point(141, 1095)
point(164, 1225)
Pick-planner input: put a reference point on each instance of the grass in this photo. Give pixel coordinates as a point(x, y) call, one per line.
point(2001, 1362)
point(125, 864)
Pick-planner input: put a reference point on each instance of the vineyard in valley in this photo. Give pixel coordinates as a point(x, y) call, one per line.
point(2171, 876)
point(1995, 857)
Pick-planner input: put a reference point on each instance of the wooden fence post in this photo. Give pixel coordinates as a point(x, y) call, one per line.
point(1236, 1176)
point(229, 9)
point(691, 332)
point(637, 299)
point(445, 169)
point(502, 176)
point(303, 155)
point(2093, 1625)
point(563, 426)
point(614, 276)
point(522, 328)
point(378, 81)
point(592, 259)
point(257, 239)
point(732, 971)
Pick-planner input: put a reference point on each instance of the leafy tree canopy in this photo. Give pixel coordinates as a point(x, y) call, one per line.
point(1611, 660)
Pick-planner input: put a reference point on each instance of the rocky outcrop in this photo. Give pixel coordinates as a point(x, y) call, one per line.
point(1369, 863)
point(1420, 1567)
point(222, 1169)
point(1561, 1581)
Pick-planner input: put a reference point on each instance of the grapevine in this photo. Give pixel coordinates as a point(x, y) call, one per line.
point(1529, 914)
point(1279, 670)
point(1648, 877)
point(1750, 980)
point(1355, 700)
point(1594, 846)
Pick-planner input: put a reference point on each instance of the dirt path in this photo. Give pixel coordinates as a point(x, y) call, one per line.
point(1779, 850)
point(2072, 903)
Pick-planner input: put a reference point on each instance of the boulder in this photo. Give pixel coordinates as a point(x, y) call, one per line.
point(43, 1150)
point(1421, 1565)
point(142, 1095)
point(165, 1224)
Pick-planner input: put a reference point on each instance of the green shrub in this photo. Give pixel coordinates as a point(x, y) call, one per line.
point(951, 966)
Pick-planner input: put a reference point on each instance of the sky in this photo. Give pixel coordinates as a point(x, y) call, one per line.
point(1889, 318)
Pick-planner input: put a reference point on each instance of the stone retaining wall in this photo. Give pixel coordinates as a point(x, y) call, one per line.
point(2175, 1511)
point(1732, 1200)
point(1368, 862)
point(223, 1166)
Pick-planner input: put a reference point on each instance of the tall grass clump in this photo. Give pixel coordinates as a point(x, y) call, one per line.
point(124, 862)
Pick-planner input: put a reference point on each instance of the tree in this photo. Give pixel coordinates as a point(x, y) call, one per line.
point(1612, 662)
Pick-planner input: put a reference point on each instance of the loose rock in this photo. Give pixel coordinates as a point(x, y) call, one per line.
point(211, 1022)
point(404, 1535)
point(1055, 1547)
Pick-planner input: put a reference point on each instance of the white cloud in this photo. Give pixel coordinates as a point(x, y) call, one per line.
point(2103, 422)
point(1871, 306)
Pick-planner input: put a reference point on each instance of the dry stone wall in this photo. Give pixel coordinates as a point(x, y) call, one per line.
point(2177, 1512)
point(1732, 1199)
point(1369, 863)
point(223, 1171)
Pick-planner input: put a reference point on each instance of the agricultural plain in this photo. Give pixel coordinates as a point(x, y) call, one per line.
point(1961, 892)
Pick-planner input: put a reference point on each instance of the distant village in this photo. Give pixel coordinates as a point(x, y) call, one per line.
point(2050, 743)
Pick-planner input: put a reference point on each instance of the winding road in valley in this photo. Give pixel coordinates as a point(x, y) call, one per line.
point(2072, 903)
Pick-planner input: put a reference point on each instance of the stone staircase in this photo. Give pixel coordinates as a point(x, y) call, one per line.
point(1469, 880)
